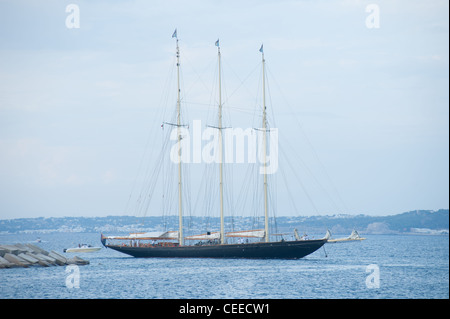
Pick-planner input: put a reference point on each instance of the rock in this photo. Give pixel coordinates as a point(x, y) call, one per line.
point(45, 258)
point(43, 263)
point(36, 249)
point(20, 255)
point(77, 261)
point(28, 258)
point(24, 248)
point(6, 264)
point(60, 260)
point(16, 260)
point(9, 249)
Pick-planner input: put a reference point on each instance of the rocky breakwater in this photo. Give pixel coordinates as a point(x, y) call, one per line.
point(26, 255)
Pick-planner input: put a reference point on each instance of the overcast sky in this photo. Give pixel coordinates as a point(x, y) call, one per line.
point(369, 102)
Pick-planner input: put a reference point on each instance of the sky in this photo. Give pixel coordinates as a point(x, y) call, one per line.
point(361, 92)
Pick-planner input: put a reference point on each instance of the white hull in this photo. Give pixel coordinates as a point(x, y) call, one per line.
point(82, 249)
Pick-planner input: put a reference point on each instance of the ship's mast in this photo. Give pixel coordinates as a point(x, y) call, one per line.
point(222, 231)
point(180, 210)
point(264, 127)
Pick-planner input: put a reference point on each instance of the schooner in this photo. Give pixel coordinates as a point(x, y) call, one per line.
point(171, 244)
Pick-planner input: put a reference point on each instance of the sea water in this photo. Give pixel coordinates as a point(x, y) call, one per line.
point(381, 267)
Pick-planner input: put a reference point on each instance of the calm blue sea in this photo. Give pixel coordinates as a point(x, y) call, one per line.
point(383, 266)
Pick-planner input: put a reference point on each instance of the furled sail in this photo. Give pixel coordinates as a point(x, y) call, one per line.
point(207, 236)
point(147, 236)
point(257, 233)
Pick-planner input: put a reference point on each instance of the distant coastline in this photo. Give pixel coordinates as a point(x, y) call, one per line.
point(419, 222)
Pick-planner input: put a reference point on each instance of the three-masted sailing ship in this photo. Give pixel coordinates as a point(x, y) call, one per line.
point(171, 244)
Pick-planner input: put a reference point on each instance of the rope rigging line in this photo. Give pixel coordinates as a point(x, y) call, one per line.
point(314, 152)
